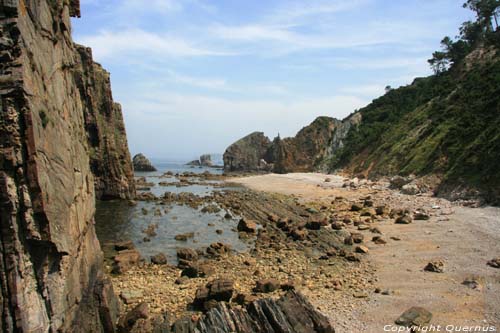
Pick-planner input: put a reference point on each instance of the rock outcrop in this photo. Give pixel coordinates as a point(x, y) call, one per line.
point(290, 313)
point(141, 163)
point(307, 151)
point(248, 153)
point(206, 160)
point(51, 276)
point(110, 160)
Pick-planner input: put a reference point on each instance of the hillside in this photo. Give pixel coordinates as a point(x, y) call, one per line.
point(446, 124)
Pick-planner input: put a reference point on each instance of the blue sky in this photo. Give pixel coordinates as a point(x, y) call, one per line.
point(195, 75)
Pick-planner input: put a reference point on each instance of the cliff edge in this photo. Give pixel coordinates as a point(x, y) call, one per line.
point(51, 276)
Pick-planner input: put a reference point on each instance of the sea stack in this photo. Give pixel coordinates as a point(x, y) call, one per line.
point(141, 163)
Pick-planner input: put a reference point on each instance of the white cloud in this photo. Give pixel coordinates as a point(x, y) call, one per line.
point(111, 44)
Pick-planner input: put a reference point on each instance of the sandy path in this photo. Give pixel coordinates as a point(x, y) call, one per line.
point(464, 238)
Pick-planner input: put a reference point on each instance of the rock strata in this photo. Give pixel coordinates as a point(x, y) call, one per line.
point(51, 275)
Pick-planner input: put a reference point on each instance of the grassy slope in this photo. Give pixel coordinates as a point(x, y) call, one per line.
point(447, 124)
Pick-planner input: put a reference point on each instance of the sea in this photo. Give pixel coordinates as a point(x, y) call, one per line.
point(117, 220)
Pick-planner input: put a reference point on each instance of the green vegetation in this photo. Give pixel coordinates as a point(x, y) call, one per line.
point(448, 123)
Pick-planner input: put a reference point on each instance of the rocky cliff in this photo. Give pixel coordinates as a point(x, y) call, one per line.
point(141, 163)
point(51, 275)
point(305, 152)
point(248, 153)
point(110, 160)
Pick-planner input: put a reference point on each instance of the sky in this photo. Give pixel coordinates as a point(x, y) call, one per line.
point(193, 76)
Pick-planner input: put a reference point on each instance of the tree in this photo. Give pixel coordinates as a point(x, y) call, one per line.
point(486, 10)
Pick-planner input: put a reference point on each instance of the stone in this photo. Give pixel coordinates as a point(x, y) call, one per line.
point(248, 226)
point(410, 189)
point(299, 234)
point(131, 296)
point(127, 322)
point(473, 283)
point(125, 260)
point(379, 240)
point(196, 269)
point(125, 245)
point(356, 207)
point(369, 211)
point(314, 225)
point(397, 182)
point(382, 210)
point(421, 215)
point(219, 290)
point(187, 254)
point(141, 163)
point(494, 262)
point(218, 249)
point(267, 285)
point(184, 237)
point(159, 259)
point(362, 249)
point(415, 316)
point(405, 219)
point(357, 237)
point(435, 267)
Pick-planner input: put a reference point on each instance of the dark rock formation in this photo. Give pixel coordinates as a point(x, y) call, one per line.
point(141, 163)
point(291, 313)
point(247, 153)
point(206, 160)
point(110, 160)
point(51, 276)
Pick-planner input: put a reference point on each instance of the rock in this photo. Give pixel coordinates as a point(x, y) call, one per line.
point(397, 182)
point(246, 153)
point(421, 215)
point(415, 316)
point(328, 180)
point(379, 240)
point(290, 313)
point(184, 237)
point(314, 225)
point(382, 210)
point(141, 163)
point(131, 296)
point(473, 283)
point(362, 249)
point(248, 226)
point(356, 207)
point(494, 262)
point(405, 219)
point(337, 226)
point(196, 269)
point(348, 240)
point(267, 286)
point(410, 189)
point(218, 249)
point(363, 227)
point(187, 254)
point(357, 237)
point(435, 267)
point(218, 290)
point(159, 259)
point(125, 245)
point(127, 322)
point(125, 260)
point(194, 163)
point(206, 160)
point(299, 234)
point(369, 211)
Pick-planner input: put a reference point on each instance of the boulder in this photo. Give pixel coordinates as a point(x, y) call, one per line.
point(405, 219)
point(415, 316)
point(248, 226)
point(435, 267)
point(125, 260)
point(141, 163)
point(217, 249)
point(127, 322)
point(267, 285)
point(187, 254)
point(159, 259)
point(494, 262)
point(218, 290)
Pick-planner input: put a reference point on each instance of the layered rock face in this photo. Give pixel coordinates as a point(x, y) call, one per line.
point(110, 160)
point(51, 275)
point(141, 163)
point(246, 154)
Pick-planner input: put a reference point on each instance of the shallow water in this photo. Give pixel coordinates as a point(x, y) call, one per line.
point(116, 220)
